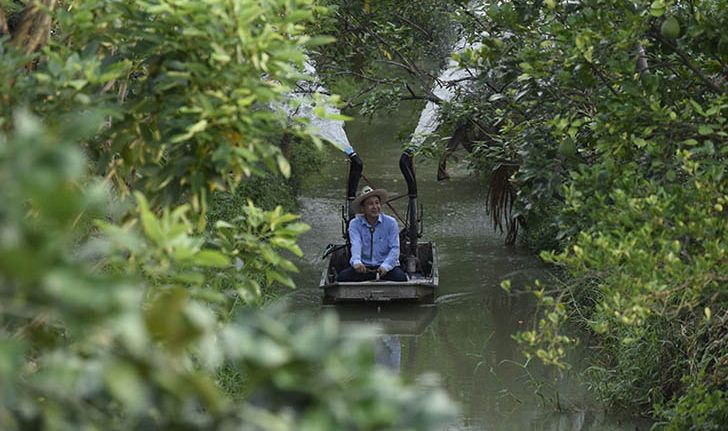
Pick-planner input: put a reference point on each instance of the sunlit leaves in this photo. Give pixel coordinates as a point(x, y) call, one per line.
point(255, 240)
point(178, 88)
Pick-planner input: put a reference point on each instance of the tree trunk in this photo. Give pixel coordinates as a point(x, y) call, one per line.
point(33, 28)
point(3, 24)
point(642, 66)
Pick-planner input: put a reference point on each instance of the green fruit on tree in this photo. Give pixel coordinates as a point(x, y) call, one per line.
point(567, 148)
point(670, 28)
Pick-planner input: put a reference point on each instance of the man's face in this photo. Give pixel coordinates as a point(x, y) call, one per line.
point(372, 207)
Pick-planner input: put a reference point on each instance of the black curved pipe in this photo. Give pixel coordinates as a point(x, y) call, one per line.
point(355, 169)
point(405, 165)
point(408, 171)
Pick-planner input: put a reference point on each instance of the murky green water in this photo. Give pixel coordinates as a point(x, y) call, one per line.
point(466, 336)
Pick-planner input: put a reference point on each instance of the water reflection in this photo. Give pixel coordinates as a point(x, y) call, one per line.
point(388, 352)
point(398, 323)
point(393, 319)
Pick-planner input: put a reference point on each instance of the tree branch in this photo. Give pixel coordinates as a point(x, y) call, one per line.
point(398, 64)
point(434, 100)
point(364, 77)
point(603, 78)
point(418, 27)
point(405, 62)
point(407, 86)
point(476, 18)
point(686, 61)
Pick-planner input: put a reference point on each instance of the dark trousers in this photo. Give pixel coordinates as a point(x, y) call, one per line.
point(350, 274)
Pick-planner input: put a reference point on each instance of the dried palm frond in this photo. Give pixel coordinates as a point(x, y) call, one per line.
point(500, 198)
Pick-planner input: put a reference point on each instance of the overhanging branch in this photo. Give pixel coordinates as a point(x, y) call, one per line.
point(685, 59)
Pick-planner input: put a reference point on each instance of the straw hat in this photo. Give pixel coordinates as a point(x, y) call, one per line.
point(366, 193)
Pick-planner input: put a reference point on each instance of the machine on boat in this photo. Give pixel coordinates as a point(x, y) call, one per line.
point(418, 259)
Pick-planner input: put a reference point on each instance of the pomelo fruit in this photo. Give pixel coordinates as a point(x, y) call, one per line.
point(670, 28)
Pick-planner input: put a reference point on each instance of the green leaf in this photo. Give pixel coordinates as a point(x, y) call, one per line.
point(280, 278)
point(296, 228)
point(222, 224)
point(78, 84)
point(319, 41)
point(697, 107)
point(125, 385)
point(150, 223)
point(219, 54)
point(191, 131)
point(705, 129)
point(284, 166)
point(211, 258)
point(269, 354)
point(658, 8)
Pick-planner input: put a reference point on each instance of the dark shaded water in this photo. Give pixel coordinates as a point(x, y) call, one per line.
point(466, 336)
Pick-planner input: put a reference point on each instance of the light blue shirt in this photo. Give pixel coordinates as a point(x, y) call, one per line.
point(384, 236)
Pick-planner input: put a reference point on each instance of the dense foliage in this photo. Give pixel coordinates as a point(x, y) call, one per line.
point(385, 51)
point(119, 307)
point(612, 116)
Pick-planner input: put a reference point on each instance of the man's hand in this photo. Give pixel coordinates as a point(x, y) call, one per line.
point(382, 272)
point(359, 267)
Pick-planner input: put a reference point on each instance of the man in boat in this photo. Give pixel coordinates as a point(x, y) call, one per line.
point(374, 240)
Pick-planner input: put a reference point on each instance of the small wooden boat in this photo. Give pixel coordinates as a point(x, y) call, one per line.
point(420, 286)
point(418, 259)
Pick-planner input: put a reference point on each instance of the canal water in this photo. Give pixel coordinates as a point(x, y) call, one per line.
point(465, 337)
